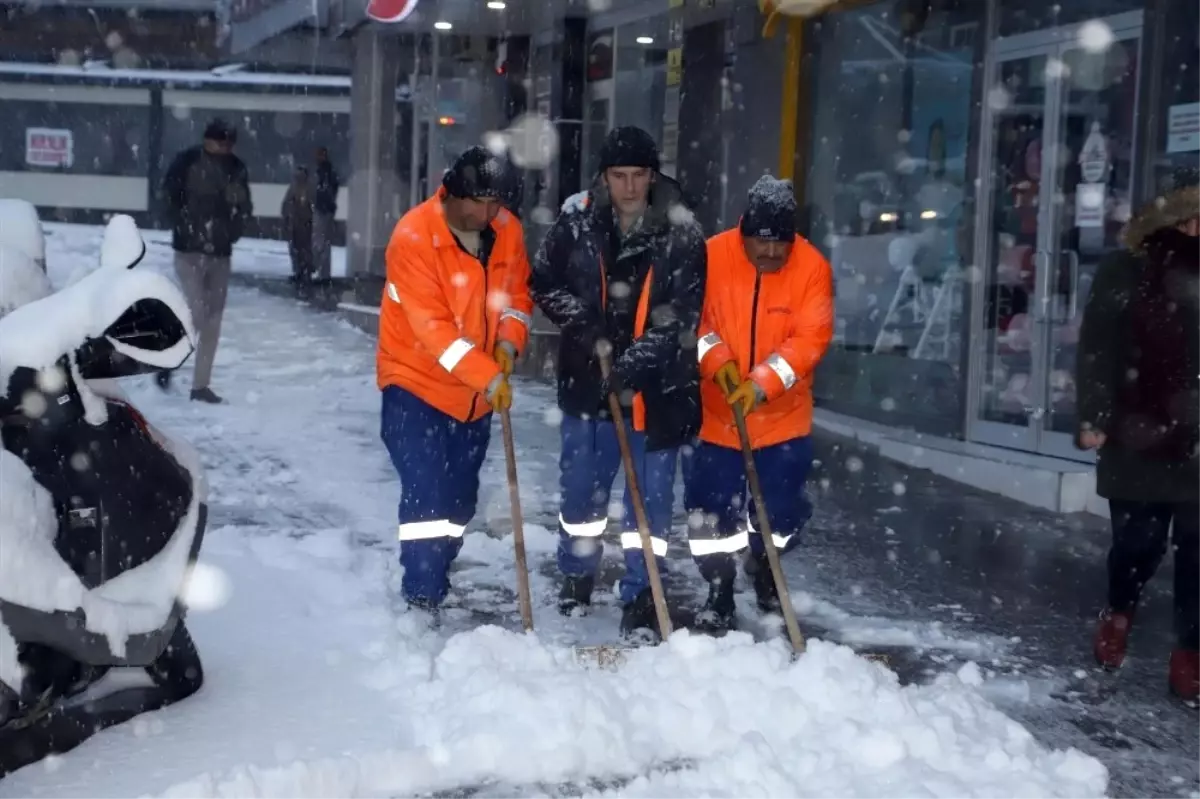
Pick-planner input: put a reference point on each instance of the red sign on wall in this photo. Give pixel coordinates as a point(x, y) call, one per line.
point(390, 10)
point(49, 147)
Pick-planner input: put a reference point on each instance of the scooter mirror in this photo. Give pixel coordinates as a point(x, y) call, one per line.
point(136, 343)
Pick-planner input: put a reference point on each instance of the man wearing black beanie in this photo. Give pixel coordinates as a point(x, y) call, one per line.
point(455, 313)
point(768, 318)
point(622, 269)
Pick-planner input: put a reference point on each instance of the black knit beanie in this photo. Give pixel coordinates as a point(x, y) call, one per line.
point(770, 211)
point(628, 146)
point(218, 129)
point(477, 173)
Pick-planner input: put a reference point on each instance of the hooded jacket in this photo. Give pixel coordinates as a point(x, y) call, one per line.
point(643, 292)
point(1138, 369)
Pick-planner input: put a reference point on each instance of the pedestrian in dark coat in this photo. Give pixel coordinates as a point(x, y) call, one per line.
point(206, 191)
point(622, 269)
point(1139, 401)
point(298, 213)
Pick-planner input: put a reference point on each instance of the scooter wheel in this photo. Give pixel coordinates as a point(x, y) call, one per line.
point(178, 670)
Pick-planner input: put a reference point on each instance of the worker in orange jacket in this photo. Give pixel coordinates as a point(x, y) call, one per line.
point(767, 320)
point(454, 315)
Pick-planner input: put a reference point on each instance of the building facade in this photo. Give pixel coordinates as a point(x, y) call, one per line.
point(965, 166)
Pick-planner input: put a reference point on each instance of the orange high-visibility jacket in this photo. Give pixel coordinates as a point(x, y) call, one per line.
point(776, 326)
point(442, 312)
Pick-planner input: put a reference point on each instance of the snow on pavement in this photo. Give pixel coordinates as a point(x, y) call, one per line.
point(318, 684)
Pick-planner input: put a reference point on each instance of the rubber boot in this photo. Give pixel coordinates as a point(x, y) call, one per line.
point(576, 593)
point(719, 614)
point(639, 622)
point(1112, 638)
point(1185, 675)
point(758, 569)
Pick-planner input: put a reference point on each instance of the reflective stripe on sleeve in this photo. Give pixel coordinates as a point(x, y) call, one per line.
point(520, 316)
point(706, 343)
point(392, 293)
point(457, 350)
point(782, 368)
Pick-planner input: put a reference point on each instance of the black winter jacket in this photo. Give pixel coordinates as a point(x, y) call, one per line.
point(567, 281)
point(208, 199)
point(325, 195)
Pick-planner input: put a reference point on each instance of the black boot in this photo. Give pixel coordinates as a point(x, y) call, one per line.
point(576, 592)
point(206, 395)
point(758, 569)
point(639, 622)
point(719, 614)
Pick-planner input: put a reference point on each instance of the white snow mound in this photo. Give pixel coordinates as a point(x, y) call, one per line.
point(21, 229)
point(494, 707)
point(21, 280)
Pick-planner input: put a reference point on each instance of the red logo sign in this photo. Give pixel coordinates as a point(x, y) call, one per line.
point(390, 10)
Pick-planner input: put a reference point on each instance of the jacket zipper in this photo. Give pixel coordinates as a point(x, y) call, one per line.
point(475, 397)
point(754, 317)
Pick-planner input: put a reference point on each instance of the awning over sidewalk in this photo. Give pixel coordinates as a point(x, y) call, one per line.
point(251, 22)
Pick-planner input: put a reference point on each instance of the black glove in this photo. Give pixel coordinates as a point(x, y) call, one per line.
point(617, 384)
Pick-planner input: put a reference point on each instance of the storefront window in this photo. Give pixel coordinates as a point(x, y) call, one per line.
point(887, 200)
point(1177, 144)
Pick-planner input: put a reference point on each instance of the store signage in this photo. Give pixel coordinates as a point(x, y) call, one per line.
point(390, 10)
point(49, 147)
point(1183, 128)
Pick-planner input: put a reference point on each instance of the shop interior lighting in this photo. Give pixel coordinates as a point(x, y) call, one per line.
point(496, 5)
point(888, 216)
point(927, 214)
point(645, 40)
point(443, 26)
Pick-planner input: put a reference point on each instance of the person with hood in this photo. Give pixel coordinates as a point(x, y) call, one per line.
point(298, 216)
point(453, 318)
point(207, 195)
point(324, 211)
point(1138, 378)
point(621, 272)
point(768, 319)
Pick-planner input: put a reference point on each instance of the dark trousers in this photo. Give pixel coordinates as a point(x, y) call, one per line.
point(1140, 534)
point(721, 522)
point(438, 459)
point(588, 464)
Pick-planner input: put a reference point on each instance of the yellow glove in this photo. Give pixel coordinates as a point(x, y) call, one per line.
point(727, 377)
point(499, 393)
point(747, 395)
point(505, 358)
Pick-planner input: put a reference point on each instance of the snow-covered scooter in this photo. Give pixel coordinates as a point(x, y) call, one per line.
point(101, 516)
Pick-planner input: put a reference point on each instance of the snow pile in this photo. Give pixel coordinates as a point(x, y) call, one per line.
point(498, 707)
point(21, 229)
point(21, 280)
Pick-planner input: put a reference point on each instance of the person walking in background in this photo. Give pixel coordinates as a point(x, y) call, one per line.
point(297, 214)
point(324, 209)
point(454, 316)
point(622, 269)
point(768, 319)
point(207, 196)
point(1138, 377)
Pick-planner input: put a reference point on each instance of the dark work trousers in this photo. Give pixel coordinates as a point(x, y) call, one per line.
point(722, 519)
point(1140, 534)
point(438, 459)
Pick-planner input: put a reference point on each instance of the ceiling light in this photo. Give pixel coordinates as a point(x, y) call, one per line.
point(443, 26)
point(496, 5)
point(645, 40)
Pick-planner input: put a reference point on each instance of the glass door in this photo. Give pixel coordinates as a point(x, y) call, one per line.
point(1057, 149)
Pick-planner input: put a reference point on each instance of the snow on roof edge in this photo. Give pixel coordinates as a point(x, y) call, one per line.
point(29, 69)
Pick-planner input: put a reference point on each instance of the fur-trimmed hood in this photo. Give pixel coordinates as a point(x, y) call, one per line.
point(1167, 210)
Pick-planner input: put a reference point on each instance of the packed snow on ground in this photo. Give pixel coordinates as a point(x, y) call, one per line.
point(319, 683)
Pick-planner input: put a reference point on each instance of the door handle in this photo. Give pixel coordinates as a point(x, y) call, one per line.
point(1041, 265)
point(1073, 259)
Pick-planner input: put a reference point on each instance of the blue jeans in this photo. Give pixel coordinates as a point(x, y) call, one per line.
point(438, 459)
point(588, 464)
point(714, 481)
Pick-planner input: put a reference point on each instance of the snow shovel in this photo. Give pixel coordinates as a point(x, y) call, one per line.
point(764, 528)
point(609, 654)
point(518, 522)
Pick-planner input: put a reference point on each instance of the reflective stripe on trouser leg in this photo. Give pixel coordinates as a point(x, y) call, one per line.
point(588, 463)
point(656, 475)
point(714, 483)
point(783, 470)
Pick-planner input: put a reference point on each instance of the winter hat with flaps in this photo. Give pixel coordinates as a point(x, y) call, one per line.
point(628, 146)
point(770, 210)
point(1174, 206)
point(477, 173)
